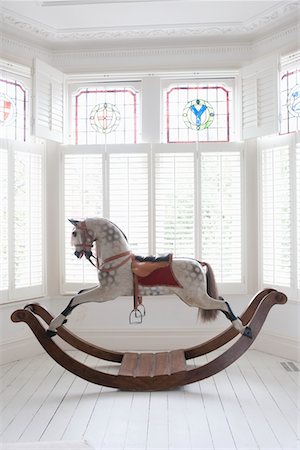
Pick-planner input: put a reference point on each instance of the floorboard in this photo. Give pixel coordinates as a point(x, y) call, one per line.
point(253, 404)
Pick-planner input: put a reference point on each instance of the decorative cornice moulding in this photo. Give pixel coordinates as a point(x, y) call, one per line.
point(12, 48)
point(166, 59)
point(245, 31)
point(288, 33)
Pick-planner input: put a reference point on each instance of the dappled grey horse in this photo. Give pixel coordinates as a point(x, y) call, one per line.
point(195, 284)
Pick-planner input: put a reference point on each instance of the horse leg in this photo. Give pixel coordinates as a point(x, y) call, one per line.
point(60, 319)
point(221, 305)
point(98, 294)
point(236, 322)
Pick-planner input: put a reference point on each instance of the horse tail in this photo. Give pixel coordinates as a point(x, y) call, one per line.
point(208, 315)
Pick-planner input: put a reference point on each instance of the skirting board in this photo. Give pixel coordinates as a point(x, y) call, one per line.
point(149, 340)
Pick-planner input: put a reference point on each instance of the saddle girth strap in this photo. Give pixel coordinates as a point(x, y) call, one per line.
point(137, 297)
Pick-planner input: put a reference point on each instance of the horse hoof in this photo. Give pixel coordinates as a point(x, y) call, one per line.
point(51, 333)
point(248, 332)
point(65, 321)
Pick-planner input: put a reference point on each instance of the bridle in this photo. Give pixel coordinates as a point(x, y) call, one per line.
point(87, 245)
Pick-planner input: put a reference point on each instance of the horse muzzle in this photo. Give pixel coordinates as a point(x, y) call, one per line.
point(87, 253)
point(79, 254)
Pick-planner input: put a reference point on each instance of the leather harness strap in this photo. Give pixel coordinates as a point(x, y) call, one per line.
point(113, 258)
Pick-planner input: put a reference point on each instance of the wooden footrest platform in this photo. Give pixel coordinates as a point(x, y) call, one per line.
point(153, 364)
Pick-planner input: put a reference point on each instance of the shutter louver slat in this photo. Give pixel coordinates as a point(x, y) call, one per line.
point(221, 214)
point(28, 220)
point(259, 103)
point(298, 209)
point(174, 203)
point(83, 179)
point(276, 216)
point(21, 221)
point(49, 102)
point(4, 219)
point(128, 202)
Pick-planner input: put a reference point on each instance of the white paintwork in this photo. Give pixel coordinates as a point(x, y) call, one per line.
point(252, 404)
point(69, 21)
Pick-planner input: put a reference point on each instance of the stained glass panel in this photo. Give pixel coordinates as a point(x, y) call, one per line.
point(13, 110)
point(290, 101)
point(106, 116)
point(198, 113)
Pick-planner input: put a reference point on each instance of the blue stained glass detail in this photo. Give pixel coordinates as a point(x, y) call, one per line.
point(198, 114)
point(294, 101)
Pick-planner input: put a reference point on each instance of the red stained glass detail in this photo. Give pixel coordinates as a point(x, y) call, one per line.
point(17, 101)
point(116, 92)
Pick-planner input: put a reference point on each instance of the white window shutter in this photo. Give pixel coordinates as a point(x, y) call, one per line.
point(83, 197)
point(259, 99)
point(128, 198)
point(48, 102)
point(22, 221)
point(4, 241)
point(298, 209)
point(276, 216)
point(28, 219)
point(175, 203)
point(221, 214)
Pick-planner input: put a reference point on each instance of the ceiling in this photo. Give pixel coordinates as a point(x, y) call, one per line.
point(69, 23)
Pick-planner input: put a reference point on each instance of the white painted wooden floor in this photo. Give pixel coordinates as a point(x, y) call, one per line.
point(254, 404)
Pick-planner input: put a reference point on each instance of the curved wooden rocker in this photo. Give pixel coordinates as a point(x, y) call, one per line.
point(152, 371)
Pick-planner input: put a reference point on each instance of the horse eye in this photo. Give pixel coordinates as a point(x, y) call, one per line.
point(74, 234)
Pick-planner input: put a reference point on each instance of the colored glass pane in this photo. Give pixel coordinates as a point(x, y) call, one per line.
point(290, 101)
point(13, 110)
point(198, 113)
point(107, 115)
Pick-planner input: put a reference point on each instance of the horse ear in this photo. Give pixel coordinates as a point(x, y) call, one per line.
point(74, 222)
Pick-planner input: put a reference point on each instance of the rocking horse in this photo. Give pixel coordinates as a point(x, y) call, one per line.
point(122, 273)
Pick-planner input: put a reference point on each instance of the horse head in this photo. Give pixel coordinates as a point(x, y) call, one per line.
point(82, 239)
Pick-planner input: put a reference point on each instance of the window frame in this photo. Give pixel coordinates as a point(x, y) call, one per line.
point(229, 79)
point(74, 86)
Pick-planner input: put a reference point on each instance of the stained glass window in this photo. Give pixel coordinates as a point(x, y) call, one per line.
point(107, 115)
point(13, 110)
point(198, 112)
point(290, 100)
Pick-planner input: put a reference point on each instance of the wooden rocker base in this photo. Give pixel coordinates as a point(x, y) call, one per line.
point(151, 371)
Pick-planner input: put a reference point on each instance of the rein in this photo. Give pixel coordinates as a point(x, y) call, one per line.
point(87, 244)
point(113, 258)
